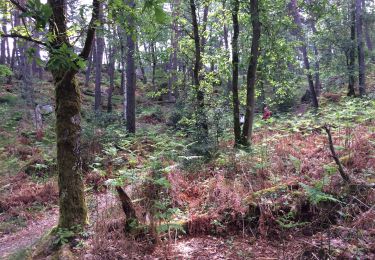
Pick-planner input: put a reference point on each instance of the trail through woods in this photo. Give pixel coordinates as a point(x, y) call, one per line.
point(11, 243)
point(36, 228)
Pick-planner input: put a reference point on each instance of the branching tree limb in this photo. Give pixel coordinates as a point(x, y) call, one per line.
point(27, 38)
point(18, 5)
point(91, 30)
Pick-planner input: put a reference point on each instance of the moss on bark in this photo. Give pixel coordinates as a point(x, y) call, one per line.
point(73, 210)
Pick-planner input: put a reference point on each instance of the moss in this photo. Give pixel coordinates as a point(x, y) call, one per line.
point(73, 210)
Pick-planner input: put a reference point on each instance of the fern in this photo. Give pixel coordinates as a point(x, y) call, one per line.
point(316, 196)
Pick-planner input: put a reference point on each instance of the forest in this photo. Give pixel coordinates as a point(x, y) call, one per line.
point(187, 129)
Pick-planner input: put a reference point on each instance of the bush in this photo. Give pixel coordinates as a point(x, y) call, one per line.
point(5, 72)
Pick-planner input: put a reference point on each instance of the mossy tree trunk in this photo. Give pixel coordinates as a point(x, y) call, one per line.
point(73, 210)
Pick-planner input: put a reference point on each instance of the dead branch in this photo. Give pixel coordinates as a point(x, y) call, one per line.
point(343, 174)
point(127, 207)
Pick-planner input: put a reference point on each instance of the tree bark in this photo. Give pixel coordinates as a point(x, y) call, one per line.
point(121, 35)
point(318, 85)
point(293, 8)
point(351, 51)
point(154, 61)
point(367, 32)
point(204, 25)
point(98, 63)
point(15, 46)
point(200, 112)
point(174, 40)
point(360, 46)
point(251, 73)
point(144, 78)
point(128, 208)
point(3, 40)
point(130, 71)
point(88, 69)
point(235, 62)
point(111, 74)
point(73, 210)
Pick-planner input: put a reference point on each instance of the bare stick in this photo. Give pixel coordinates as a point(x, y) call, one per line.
point(343, 174)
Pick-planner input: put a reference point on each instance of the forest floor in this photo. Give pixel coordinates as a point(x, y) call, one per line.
point(282, 200)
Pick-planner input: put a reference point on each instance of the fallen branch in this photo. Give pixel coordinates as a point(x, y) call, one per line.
point(343, 174)
point(127, 207)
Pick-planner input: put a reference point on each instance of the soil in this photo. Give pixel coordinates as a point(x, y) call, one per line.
point(11, 243)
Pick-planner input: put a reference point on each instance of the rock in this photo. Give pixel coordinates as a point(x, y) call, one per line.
point(46, 109)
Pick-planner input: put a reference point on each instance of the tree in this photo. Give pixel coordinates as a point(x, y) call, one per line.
point(200, 112)
point(64, 64)
point(351, 51)
point(293, 9)
point(366, 22)
point(111, 74)
point(235, 62)
point(100, 44)
point(360, 46)
point(130, 69)
point(251, 73)
point(173, 59)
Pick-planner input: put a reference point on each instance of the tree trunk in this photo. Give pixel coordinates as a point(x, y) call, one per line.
point(200, 113)
point(367, 32)
point(351, 52)
point(251, 73)
point(111, 74)
point(204, 25)
point(98, 66)
point(130, 71)
point(73, 210)
point(318, 85)
point(88, 69)
point(360, 46)
point(3, 40)
point(174, 40)
point(293, 8)
point(154, 61)
point(235, 62)
point(15, 46)
point(144, 78)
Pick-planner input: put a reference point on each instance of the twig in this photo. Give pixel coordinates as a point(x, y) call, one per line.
point(19, 6)
point(27, 38)
point(343, 174)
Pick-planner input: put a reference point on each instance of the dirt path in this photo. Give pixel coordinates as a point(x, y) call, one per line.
point(10, 244)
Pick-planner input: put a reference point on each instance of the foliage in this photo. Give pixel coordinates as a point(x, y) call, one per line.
point(63, 236)
point(316, 195)
point(5, 72)
point(64, 58)
point(39, 11)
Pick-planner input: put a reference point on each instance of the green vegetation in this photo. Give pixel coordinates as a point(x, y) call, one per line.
point(187, 129)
